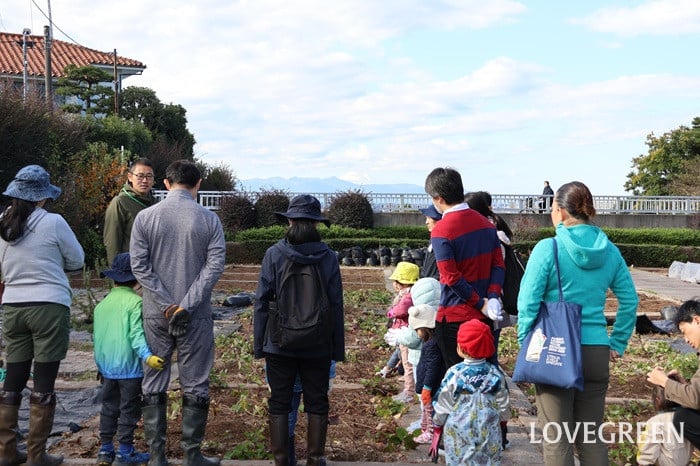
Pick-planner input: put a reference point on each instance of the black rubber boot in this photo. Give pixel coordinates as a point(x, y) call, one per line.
point(291, 452)
point(155, 427)
point(195, 411)
point(504, 434)
point(279, 438)
point(9, 412)
point(316, 439)
point(42, 407)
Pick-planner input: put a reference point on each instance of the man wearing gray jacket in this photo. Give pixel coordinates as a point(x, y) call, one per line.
point(177, 254)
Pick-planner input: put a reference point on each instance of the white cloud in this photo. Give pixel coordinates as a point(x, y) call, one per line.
point(656, 17)
point(317, 88)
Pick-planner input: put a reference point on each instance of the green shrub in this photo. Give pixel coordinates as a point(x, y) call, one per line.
point(667, 236)
point(252, 244)
point(336, 231)
point(404, 231)
point(658, 255)
point(351, 209)
point(269, 202)
point(237, 212)
point(272, 233)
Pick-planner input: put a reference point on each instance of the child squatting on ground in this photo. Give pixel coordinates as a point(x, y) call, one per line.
point(120, 345)
point(471, 402)
point(670, 436)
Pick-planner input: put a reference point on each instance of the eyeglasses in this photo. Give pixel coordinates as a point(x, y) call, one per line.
point(141, 176)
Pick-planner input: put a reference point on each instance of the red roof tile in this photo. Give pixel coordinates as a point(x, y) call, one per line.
point(62, 54)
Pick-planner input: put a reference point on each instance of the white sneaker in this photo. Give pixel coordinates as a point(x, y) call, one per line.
point(404, 397)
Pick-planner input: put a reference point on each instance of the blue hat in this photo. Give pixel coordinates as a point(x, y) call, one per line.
point(304, 206)
point(431, 212)
point(121, 269)
point(31, 184)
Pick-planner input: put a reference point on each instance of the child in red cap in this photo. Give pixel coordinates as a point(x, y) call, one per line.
point(472, 401)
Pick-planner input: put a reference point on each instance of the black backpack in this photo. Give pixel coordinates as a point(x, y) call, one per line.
point(515, 268)
point(300, 317)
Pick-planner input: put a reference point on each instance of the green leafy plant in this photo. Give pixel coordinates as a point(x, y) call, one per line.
point(174, 405)
point(253, 447)
point(401, 438)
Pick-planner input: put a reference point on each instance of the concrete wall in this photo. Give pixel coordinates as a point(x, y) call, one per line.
point(518, 221)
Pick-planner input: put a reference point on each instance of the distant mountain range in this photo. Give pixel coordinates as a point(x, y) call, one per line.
point(324, 185)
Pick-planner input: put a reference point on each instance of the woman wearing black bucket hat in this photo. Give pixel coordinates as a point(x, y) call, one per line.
point(35, 249)
point(311, 360)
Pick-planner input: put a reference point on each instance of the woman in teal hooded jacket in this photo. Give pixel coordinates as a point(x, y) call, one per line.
point(590, 265)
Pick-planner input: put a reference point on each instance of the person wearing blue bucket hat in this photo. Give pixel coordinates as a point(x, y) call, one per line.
point(120, 346)
point(32, 184)
point(35, 248)
point(311, 360)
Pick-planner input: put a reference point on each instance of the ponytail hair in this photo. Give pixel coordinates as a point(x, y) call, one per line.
point(577, 200)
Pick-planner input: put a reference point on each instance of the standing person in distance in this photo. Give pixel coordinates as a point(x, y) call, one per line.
point(35, 248)
point(469, 259)
point(429, 268)
point(589, 265)
point(134, 196)
point(301, 244)
point(546, 199)
point(178, 253)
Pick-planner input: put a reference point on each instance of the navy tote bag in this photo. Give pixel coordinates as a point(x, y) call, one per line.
point(551, 351)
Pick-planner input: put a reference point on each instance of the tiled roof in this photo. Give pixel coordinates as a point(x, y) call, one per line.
point(62, 54)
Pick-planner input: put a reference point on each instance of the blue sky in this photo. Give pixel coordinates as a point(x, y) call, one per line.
point(508, 92)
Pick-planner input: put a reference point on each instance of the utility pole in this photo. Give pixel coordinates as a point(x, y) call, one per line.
point(116, 86)
point(25, 74)
point(48, 78)
point(48, 82)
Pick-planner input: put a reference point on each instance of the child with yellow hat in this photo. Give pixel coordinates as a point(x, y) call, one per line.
point(404, 276)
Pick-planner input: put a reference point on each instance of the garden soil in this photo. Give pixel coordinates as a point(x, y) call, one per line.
point(357, 432)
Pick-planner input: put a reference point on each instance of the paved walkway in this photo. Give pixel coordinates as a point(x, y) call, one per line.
point(664, 286)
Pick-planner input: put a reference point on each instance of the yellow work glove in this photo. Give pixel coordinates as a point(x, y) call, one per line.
point(155, 362)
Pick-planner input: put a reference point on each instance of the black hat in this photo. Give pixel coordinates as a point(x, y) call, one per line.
point(304, 206)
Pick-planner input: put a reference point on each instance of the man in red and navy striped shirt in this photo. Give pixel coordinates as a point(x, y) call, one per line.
point(469, 259)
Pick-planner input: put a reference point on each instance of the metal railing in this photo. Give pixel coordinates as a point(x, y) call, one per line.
point(502, 203)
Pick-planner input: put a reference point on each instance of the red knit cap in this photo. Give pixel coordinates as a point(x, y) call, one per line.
point(475, 339)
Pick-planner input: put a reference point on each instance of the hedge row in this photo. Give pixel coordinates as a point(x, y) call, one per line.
point(638, 255)
point(665, 236)
point(668, 236)
point(336, 232)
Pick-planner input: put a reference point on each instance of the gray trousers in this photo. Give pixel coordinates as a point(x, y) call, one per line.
point(566, 407)
point(121, 410)
point(195, 356)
